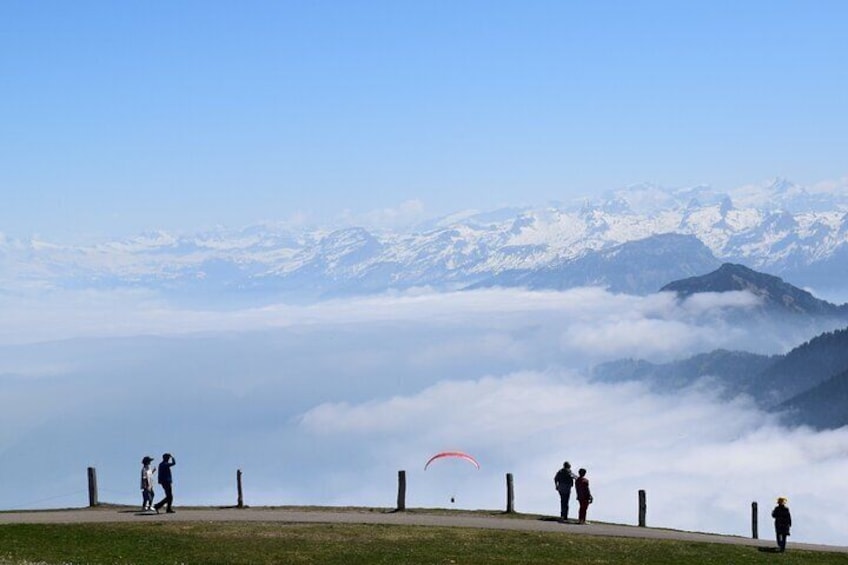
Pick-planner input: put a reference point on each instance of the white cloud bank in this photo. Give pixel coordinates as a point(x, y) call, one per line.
point(323, 404)
point(591, 320)
point(701, 461)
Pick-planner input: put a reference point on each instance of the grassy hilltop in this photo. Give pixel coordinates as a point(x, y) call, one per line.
point(153, 543)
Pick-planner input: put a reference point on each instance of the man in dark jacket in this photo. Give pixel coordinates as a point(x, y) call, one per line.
point(782, 522)
point(563, 481)
point(166, 480)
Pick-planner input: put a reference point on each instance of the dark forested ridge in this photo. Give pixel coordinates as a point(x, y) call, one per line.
point(824, 406)
point(733, 371)
point(808, 385)
point(805, 367)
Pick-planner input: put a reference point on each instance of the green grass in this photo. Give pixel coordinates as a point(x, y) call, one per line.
point(256, 543)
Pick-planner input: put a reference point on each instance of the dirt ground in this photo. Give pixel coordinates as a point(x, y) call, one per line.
point(103, 514)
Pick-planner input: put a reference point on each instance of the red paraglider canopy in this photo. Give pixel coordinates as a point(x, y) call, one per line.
point(458, 454)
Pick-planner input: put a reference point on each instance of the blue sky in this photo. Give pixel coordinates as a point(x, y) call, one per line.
point(125, 116)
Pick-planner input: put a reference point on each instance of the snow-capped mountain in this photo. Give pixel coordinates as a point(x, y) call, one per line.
point(779, 228)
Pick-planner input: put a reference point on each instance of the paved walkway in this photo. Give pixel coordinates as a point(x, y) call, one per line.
point(363, 516)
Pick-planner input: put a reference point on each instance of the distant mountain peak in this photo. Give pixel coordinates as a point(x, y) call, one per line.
point(633, 267)
point(776, 294)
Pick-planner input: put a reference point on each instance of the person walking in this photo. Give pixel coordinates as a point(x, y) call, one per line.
point(166, 480)
point(584, 495)
point(782, 522)
point(563, 481)
point(147, 483)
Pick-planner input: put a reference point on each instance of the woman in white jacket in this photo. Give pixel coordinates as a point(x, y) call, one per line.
point(147, 483)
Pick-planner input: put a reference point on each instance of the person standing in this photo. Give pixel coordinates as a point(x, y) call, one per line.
point(147, 483)
point(584, 495)
point(563, 481)
point(166, 480)
point(782, 522)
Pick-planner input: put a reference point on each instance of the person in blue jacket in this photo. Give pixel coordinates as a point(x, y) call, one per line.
point(563, 481)
point(167, 481)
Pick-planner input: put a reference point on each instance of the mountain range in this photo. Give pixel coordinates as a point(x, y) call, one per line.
point(808, 385)
point(632, 240)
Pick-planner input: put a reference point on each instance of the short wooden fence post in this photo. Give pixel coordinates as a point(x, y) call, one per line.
point(754, 530)
point(510, 494)
point(643, 508)
point(92, 487)
point(401, 496)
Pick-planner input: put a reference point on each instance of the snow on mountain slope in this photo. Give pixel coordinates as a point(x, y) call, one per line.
point(777, 227)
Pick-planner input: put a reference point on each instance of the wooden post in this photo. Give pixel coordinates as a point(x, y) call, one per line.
point(643, 508)
point(510, 494)
point(401, 498)
point(92, 487)
point(240, 491)
point(754, 530)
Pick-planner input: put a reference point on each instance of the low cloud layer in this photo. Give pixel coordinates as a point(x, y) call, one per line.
point(324, 403)
point(701, 461)
point(590, 321)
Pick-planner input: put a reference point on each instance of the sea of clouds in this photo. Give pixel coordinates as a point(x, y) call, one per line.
point(323, 404)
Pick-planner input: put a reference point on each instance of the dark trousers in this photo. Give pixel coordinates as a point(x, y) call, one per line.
point(584, 506)
point(781, 541)
point(564, 495)
point(169, 497)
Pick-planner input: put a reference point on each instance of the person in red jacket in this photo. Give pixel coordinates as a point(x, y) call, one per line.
point(584, 495)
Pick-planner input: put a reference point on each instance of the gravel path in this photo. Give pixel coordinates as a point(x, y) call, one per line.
point(364, 516)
